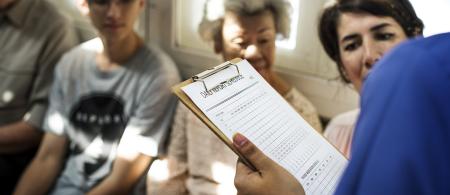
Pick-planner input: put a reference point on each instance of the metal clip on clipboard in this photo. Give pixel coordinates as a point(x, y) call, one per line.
point(207, 73)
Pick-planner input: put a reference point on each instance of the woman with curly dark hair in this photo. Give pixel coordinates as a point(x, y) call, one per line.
point(356, 34)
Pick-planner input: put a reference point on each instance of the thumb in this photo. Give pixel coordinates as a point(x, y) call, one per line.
point(252, 153)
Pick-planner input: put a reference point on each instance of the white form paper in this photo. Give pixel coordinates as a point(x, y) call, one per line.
point(249, 105)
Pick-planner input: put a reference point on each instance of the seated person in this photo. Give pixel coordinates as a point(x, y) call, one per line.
point(110, 106)
point(199, 163)
point(402, 133)
point(356, 34)
point(33, 36)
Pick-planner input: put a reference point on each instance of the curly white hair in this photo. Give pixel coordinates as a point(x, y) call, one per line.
point(214, 11)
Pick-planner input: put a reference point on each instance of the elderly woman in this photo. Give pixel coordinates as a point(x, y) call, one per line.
point(356, 34)
point(248, 30)
point(199, 163)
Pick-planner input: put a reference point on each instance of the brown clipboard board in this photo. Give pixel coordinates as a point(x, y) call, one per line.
point(191, 106)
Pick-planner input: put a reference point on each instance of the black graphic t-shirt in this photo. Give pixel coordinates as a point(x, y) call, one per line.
point(100, 120)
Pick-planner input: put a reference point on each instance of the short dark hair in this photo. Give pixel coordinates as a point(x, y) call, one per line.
point(400, 10)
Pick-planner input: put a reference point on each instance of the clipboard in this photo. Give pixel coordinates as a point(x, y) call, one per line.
point(239, 98)
point(191, 105)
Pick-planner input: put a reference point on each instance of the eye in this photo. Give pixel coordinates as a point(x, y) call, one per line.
point(99, 2)
point(263, 41)
point(105, 2)
point(239, 42)
point(351, 46)
point(126, 1)
point(384, 36)
point(243, 44)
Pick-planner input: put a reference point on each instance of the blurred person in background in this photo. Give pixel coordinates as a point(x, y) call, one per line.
point(110, 108)
point(33, 36)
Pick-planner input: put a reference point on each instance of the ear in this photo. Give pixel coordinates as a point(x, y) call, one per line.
point(83, 6)
point(142, 4)
point(217, 47)
point(218, 44)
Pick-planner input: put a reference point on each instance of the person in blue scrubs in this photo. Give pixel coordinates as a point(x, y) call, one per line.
point(402, 133)
point(404, 128)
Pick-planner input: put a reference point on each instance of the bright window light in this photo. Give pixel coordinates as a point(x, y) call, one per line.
point(290, 43)
point(435, 15)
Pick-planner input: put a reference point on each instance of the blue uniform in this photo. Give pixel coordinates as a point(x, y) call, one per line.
point(402, 139)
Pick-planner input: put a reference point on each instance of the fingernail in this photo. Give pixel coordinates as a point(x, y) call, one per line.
point(239, 140)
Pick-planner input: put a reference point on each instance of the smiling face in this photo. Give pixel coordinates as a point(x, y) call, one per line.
point(249, 37)
point(114, 19)
point(363, 39)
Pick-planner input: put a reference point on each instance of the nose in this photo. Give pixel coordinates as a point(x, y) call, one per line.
point(113, 10)
point(252, 52)
point(371, 54)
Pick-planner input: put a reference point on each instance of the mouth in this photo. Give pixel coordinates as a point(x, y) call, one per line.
point(113, 26)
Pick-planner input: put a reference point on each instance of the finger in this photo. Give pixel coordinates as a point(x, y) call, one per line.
point(242, 176)
point(242, 168)
point(252, 153)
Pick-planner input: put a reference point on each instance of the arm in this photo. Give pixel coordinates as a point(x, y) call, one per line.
point(128, 167)
point(176, 158)
point(270, 179)
point(18, 137)
point(22, 135)
point(49, 158)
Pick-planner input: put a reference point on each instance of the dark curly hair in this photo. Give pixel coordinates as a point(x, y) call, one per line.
point(400, 10)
